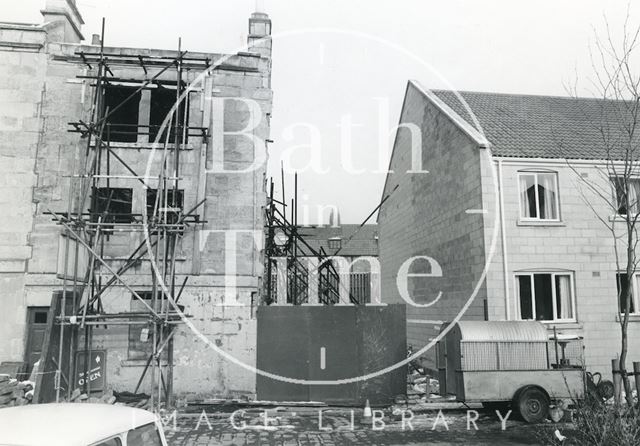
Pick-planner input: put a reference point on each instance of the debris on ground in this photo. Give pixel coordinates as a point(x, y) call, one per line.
point(14, 392)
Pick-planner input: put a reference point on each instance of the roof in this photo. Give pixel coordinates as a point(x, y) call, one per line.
point(531, 126)
point(501, 331)
point(363, 243)
point(67, 424)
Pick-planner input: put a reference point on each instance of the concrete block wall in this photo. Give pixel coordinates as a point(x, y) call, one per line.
point(426, 216)
point(580, 244)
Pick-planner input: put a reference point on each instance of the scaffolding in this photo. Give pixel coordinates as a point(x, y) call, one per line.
point(290, 276)
point(85, 285)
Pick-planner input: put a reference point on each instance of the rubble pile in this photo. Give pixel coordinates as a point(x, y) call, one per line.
point(139, 400)
point(422, 394)
point(14, 392)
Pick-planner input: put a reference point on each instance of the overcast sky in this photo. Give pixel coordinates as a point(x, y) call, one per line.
point(336, 58)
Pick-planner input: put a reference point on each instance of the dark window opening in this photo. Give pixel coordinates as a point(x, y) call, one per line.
point(545, 296)
point(113, 204)
point(539, 196)
point(172, 207)
point(627, 188)
point(526, 308)
point(162, 102)
point(624, 287)
point(40, 317)
point(122, 121)
point(335, 243)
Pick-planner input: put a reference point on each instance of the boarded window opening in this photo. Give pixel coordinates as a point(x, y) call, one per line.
point(122, 123)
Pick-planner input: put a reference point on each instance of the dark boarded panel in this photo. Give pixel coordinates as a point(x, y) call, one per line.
point(334, 329)
point(45, 391)
point(357, 340)
point(382, 343)
point(282, 349)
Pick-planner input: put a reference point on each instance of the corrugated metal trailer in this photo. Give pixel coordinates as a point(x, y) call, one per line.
point(502, 363)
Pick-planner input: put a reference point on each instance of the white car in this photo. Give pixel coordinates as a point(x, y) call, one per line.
point(79, 424)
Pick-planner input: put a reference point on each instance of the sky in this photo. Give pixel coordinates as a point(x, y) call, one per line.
point(340, 68)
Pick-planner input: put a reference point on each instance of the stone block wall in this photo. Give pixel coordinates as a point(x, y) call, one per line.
point(41, 93)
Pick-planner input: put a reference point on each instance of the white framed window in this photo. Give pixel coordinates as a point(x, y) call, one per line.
point(335, 243)
point(538, 192)
point(545, 296)
point(630, 186)
point(622, 284)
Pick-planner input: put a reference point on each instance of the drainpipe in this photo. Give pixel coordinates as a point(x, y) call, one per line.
point(503, 233)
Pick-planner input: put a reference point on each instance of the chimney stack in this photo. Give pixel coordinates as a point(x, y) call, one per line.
point(259, 40)
point(64, 21)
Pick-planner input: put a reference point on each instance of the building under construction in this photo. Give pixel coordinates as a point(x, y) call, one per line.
point(129, 181)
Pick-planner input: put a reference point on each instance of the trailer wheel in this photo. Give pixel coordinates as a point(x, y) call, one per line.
point(532, 404)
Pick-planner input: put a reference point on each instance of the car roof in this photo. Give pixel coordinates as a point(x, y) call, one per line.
point(67, 424)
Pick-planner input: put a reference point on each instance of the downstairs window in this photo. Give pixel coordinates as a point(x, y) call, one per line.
point(545, 296)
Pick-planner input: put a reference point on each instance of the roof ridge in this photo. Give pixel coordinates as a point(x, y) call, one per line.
point(527, 95)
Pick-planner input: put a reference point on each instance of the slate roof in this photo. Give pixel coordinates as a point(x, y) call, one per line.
point(363, 243)
point(545, 126)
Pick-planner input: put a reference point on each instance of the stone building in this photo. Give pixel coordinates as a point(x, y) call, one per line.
point(504, 216)
point(47, 80)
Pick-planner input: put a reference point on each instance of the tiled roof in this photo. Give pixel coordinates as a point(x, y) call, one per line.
point(544, 126)
point(363, 243)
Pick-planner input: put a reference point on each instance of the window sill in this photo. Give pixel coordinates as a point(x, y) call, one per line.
point(138, 363)
point(633, 317)
point(149, 145)
point(521, 222)
point(618, 217)
point(562, 325)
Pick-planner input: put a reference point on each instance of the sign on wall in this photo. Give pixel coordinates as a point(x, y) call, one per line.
point(96, 371)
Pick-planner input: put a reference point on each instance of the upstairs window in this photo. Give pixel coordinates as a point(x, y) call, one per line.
point(122, 123)
point(545, 296)
point(627, 187)
point(335, 243)
point(623, 285)
point(162, 102)
point(113, 204)
point(538, 195)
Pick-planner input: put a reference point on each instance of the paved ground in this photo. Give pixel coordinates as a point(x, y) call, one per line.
point(287, 427)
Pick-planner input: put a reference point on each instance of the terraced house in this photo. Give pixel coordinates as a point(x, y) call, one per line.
point(502, 206)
